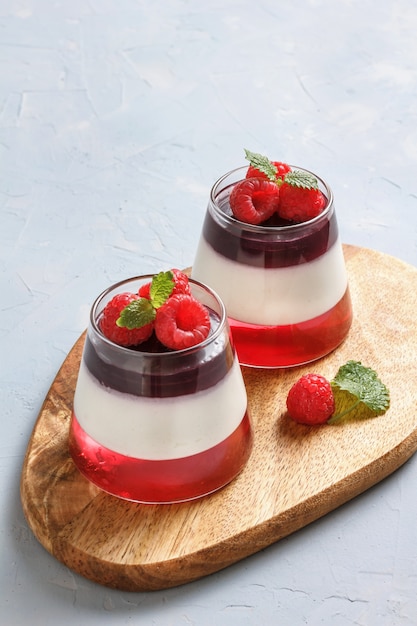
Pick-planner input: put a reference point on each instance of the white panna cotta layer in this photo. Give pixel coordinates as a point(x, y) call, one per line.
point(274, 296)
point(160, 428)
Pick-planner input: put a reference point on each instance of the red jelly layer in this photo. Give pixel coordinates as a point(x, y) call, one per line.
point(165, 481)
point(295, 344)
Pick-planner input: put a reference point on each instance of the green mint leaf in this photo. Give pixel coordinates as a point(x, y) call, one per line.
point(161, 288)
point(263, 164)
point(303, 180)
point(136, 314)
point(358, 393)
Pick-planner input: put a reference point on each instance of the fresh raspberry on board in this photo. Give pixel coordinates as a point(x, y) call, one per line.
point(118, 334)
point(299, 204)
point(254, 200)
point(281, 170)
point(182, 322)
point(181, 285)
point(310, 400)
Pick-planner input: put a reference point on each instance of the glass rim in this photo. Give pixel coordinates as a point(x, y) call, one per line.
point(165, 355)
point(259, 229)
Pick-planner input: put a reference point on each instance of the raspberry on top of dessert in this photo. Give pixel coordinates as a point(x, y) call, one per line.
point(272, 187)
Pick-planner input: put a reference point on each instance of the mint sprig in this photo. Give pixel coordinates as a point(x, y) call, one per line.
point(358, 393)
point(162, 286)
point(295, 178)
point(302, 180)
point(136, 314)
point(142, 311)
point(263, 164)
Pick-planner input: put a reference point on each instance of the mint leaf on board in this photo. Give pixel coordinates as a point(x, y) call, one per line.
point(358, 393)
point(303, 180)
point(136, 314)
point(162, 286)
point(263, 164)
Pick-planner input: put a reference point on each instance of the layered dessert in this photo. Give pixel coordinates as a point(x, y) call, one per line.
point(157, 423)
point(270, 247)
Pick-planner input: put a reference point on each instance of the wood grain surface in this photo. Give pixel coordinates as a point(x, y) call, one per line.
point(295, 475)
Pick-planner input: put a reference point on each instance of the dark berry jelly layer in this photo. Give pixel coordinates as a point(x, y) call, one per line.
point(269, 246)
point(160, 375)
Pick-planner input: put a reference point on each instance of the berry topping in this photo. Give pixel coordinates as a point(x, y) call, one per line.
point(299, 198)
point(296, 197)
point(123, 335)
point(281, 170)
point(310, 400)
point(254, 200)
point(355, 393)
point(164, 305)
point(180, 285)
point(262, 167)
point(182, 322)
point(145, 291)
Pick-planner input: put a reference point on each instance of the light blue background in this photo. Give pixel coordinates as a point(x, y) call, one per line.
point(115, 119)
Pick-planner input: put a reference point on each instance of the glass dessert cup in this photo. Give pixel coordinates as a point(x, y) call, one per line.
point(284, 286)
point(160, 427)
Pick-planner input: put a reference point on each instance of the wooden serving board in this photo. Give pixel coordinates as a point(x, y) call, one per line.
point(295, 475)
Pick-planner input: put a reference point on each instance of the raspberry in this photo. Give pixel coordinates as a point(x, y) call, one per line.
point(299, 204)
point(310, 400)
point(182, 322)
point(145, 291)
point(282, 169)
point(181, 285)
point(121, 335)
point(254, 200)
